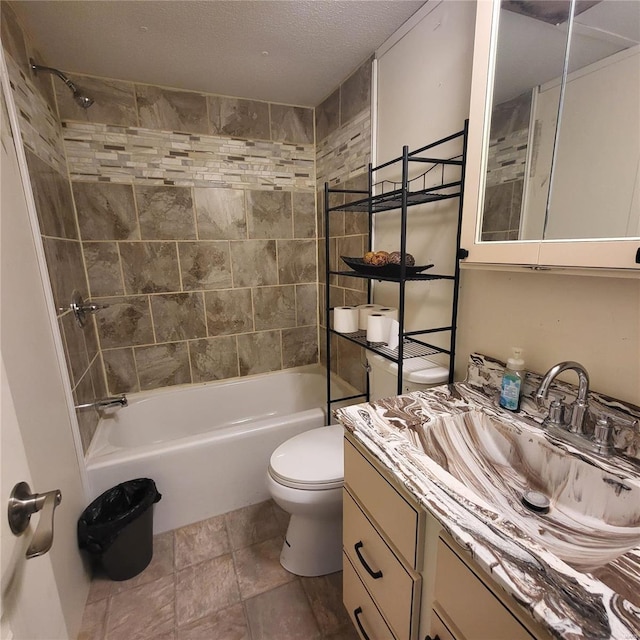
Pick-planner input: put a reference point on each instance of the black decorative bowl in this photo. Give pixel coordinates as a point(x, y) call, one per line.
point(387, 270)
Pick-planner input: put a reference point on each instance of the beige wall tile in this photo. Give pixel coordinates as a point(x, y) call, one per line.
point(259, 352)
point(120, 368)
point(114, 101)
point(253, 263)
point(299, 346)
point(205, 265)
point(274, 307)
point(150, 267)
point(162, 365)
point(296, 261)
point(165, 213)
point(228, 311)
point(306, 304)
point(327, 115)
point(52, 195)
point(104, 270)
point(304, 215)
point(269, 214)
point(106, 211)
point(171, 110)
point(214, 358)
point(239, 118)
point(355, 93)
point(76, 347)
point(178, 316)
point(220, 214)
point(66, 270)
point(292, 124)
point(125, 322)
point(12, 37)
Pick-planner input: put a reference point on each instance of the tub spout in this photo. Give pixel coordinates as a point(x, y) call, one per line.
point(105, 403)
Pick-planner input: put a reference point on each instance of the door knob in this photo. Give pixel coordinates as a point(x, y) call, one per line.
point(22, 505)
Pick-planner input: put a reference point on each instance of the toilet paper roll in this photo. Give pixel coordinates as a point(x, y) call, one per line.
point(345, 319)
point(394, 334)
point(378, 328)
point(389, 312)
point(364, 311)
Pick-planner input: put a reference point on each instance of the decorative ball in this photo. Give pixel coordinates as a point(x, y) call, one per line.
point(380, 258)
point(368, 257)
point(395, 257)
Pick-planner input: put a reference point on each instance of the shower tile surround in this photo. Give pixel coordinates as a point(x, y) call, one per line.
point(506, 166)
point(201, 239)
point(343, 131)
point(51, 187)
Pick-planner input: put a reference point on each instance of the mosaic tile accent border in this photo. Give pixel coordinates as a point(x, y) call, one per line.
point(346, 152)
point(134, 155)
point(507, 158)
point(38, 123)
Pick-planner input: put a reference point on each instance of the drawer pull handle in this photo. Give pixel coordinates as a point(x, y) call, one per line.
point(374, 574)
point(430, 638)
point(356, 614)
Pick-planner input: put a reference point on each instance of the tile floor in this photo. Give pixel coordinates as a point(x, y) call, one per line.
point(219, 579)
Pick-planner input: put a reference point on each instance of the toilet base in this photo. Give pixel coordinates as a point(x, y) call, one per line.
point(312, 547)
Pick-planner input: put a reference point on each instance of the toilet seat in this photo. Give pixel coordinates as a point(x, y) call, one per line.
point(311, 461)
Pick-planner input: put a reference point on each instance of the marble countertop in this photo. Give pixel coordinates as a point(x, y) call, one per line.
point(572, 603)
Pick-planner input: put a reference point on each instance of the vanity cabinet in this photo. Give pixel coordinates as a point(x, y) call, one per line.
point(404, 577)
point(383, 536)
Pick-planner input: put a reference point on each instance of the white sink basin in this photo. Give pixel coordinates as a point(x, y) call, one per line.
point(593, 516)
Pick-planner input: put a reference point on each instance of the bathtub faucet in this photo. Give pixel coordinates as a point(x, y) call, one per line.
point(105, 403)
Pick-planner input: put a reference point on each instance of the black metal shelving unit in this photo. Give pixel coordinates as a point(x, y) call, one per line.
point(385, 196)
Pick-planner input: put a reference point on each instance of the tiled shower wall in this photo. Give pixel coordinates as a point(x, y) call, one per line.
point(193, 217)
point(196, 215)
point(506, 166)
point(343, 132)
point(44, 152)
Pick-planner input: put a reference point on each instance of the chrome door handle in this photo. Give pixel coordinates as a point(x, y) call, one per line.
point(22, 505)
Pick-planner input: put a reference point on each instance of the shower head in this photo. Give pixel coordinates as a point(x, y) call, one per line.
point(84, 101)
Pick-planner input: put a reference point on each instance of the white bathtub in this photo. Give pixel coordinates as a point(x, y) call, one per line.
point(207, 446)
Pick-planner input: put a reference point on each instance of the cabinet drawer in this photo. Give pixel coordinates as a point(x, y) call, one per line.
point(439, 630)
point(393, 588)
point(363, 612)
point(400, 521)
point(477, 613)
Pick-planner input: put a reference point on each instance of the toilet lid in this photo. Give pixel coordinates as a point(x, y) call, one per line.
point(310, 459)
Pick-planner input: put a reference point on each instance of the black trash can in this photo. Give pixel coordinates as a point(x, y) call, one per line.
point(116, 529)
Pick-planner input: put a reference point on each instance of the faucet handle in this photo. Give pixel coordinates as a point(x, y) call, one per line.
point(557, 410)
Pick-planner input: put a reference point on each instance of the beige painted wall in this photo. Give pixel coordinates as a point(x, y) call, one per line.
point(553, 316)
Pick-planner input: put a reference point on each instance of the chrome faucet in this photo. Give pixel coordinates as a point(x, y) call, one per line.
point(105, 403)
point(578, 408)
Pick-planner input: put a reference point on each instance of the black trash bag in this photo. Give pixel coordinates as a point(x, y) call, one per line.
point(103, 520)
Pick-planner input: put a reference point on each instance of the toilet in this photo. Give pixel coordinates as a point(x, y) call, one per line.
point(305, 478)
point(306, 474)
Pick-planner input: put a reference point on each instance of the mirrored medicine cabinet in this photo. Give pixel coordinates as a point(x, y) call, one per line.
point(553, 170)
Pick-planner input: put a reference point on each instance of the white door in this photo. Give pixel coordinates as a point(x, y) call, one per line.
point(43, 597)
point(30, 605)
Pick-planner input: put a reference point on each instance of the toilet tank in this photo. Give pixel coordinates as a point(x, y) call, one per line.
point(417, 373)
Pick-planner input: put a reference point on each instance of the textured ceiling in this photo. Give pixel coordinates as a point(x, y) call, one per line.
point(290, 51)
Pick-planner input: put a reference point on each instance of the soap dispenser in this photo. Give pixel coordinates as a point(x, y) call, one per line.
point(512, 381)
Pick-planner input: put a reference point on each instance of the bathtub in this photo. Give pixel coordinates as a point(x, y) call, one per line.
point(207, 446)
